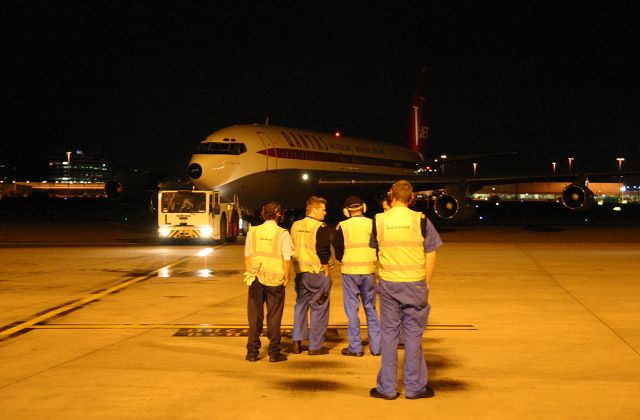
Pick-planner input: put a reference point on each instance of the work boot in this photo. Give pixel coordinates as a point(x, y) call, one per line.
point(278, 358)
point(251, 357)
point(427, 393)
point(373, 392)
point(296, 347)
point(345, 352)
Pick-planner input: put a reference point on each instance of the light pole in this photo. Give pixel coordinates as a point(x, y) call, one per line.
point(570, 159)
point(68, 171)
point(475, 168)
point(620, 160)
point(554, 167)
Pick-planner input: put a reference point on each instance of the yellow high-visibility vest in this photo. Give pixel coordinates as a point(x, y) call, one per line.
point(303, 235)
point(400, 245)
point(359, 257)
point(265, 250)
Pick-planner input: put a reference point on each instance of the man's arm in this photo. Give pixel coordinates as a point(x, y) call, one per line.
point(247, 253)
point(286, 265)
point(338, 243)
point(287, 253)
point(323, 247)
point(429, 266)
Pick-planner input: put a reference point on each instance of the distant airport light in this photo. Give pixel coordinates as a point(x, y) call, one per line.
point(623, 189)
point(337, 133)
point(620, 160)
point(570, 159)
point(305, 177)
point(554, 166)
point(443, 156)
point(617, 208)
point(164, 272)
point(205, 272)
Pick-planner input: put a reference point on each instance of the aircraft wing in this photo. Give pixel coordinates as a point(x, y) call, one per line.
point(430, 182)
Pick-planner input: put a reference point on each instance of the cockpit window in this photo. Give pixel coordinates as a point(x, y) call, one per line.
point(221, 148)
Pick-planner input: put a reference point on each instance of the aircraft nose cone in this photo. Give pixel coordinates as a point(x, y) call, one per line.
point(195, 171)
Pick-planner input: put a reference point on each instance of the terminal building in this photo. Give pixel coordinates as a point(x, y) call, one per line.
point(78, 167)
point(69, 174)
point(551, 191)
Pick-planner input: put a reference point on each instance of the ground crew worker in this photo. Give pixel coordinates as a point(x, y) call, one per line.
point(406, 242)
point(311, 239)
point(358, 267)
point(268, 251)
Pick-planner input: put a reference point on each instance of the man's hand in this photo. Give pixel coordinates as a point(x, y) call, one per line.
point(249, 278)
point(325, 268)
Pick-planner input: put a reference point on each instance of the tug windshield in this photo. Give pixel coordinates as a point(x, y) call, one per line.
point(183, 202)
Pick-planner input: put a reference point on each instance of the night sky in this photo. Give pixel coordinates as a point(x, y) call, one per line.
point(144, 82)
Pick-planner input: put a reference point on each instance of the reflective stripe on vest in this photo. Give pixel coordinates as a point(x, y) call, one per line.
point(265, 249)
point(303, 234)
point(359, 257)
point(400, 245)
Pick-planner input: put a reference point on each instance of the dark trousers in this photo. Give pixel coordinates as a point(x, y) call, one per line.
point(273, 296)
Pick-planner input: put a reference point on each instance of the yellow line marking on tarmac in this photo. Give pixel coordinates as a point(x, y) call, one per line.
point(30, 324)
point(206, 326)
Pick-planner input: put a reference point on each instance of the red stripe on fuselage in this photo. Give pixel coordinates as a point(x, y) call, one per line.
point(318, 156)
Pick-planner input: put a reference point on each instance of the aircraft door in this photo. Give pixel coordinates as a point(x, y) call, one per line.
point(270, 151)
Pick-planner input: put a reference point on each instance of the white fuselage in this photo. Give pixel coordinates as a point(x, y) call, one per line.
point(263, 163)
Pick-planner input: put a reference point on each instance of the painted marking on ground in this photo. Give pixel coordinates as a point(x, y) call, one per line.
point(46, 315)
point(217, 330)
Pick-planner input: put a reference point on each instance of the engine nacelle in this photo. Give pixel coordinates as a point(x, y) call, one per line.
point(113, 190)
point(453, 205)
point(577, 197)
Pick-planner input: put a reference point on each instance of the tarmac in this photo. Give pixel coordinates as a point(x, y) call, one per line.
point(97, 321)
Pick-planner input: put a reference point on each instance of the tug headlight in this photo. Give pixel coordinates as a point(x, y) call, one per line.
point(164, 232)
point(206, 231)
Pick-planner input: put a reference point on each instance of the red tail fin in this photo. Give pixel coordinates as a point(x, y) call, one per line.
point(418, 122)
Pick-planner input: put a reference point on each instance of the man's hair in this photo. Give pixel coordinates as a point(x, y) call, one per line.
point(270, 210)
point(402, 191)
point(314, 202)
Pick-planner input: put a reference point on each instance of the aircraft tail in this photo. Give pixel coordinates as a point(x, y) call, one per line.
point(418, 121)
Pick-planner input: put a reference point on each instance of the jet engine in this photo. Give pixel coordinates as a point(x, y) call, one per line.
point(453, 204)
point(113, 190)
point(577, 197)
